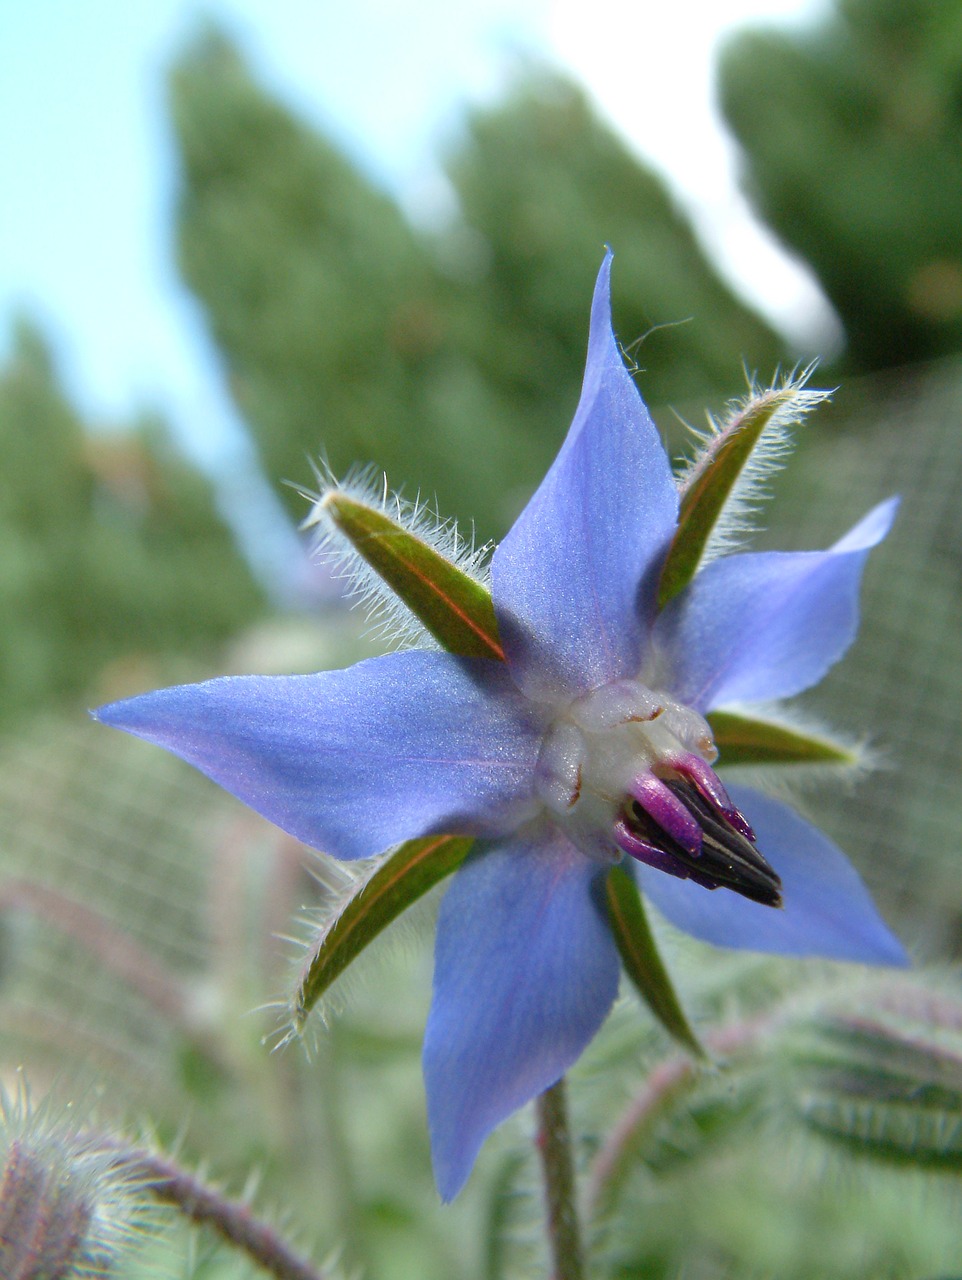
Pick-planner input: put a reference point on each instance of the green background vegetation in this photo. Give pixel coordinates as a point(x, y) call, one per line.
point(452, 360)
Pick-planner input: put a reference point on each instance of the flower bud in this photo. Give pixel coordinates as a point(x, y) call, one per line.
point(67, 1208)
point(885, 1078)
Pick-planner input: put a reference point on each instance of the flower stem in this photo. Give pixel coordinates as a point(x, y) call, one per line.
point(554, 1148)
point(668, 1081)
point(231, 1219)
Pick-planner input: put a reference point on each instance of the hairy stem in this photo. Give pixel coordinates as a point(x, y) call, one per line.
point(554, 1148)
point(231, 1219)
point(666, 1083)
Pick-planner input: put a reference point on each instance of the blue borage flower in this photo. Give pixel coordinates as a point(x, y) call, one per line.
point(588, 743)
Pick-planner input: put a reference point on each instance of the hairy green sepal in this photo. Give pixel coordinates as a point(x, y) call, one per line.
point(404, 877)
point(709, 486)
point(747, 740)
point(454, 607)
point(641, 960)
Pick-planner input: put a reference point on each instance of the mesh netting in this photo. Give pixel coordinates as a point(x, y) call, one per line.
point(901, 684)
point(136, 901)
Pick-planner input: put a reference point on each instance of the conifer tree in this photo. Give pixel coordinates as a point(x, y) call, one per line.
point(451, 361)
point(111, 547)
point(317, 293)
point(546, 182)
point(852, 133)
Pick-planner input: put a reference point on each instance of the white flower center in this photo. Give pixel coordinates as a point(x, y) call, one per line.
point(598, 746)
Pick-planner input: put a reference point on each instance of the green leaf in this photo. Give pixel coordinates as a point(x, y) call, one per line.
point(746, 740)
point(405, 876)
point(454, 607)
point(643, 964)
point(711, 481)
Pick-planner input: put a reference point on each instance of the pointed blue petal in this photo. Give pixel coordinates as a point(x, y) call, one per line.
point(525, 973)
point(827, 910)
point(766, 624)
point(355, 761)
point(574, 581)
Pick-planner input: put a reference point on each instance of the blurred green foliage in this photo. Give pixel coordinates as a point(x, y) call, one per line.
point(725, 1173)
point(450, 360)
point(852, 137)
point(313, 283)
point(110, 544)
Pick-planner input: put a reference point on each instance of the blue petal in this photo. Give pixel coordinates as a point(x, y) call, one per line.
point(574, 581)
point(766, 624)
point(827, 910)
point(525, 973)
point(355, 761)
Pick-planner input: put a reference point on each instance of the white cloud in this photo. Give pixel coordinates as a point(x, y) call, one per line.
point(650, 68)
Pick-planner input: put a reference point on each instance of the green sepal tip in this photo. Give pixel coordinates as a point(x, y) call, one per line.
point(642, 963)
point(398, 882)
point(744, 739)
point(454, 607)
point(711, 481)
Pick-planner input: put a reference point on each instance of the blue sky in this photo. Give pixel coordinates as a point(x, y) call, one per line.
point(85, 225)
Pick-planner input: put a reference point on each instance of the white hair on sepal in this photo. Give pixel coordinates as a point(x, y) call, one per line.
point(788, 781)
point(390, 618)
point(794, 401)
point(340, 884)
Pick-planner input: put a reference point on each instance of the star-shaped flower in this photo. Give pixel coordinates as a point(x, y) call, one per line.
point(586, 744)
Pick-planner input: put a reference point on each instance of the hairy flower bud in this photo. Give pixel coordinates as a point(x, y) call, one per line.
point(881, 1074)
point(67, 1207)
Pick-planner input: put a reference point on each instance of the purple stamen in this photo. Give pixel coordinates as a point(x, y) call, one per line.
point(668, 811)
point(642, 851)
point(726, 858)
point(709, 786)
